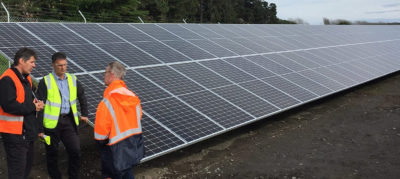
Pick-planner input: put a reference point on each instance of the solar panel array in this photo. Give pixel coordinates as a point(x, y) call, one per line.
point(199, 80)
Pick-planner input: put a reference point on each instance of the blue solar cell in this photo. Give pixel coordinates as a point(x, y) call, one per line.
point(170, 80)
point(250, 67)
point(129, 54)
point(162, 52)
point(54, 34)
point(157, 139)
point(202, 75)
point(11, 35)
point(246, 100)
point(181, 119)
point(189, 50)
point(217, 108)
point(271, 94)
point(94, 33)
point(228, 71)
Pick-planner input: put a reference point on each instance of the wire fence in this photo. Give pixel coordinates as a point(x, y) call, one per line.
point(52, 15)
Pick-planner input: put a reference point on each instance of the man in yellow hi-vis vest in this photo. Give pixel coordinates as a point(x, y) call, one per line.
point(60, 91)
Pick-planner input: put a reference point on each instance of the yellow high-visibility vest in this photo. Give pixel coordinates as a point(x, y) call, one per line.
point(52, 107)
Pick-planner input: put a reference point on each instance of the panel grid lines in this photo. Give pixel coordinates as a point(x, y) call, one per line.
point(199, 80)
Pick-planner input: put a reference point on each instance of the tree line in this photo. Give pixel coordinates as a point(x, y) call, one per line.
point(169, 11)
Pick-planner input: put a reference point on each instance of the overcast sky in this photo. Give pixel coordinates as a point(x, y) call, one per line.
point(312, 11)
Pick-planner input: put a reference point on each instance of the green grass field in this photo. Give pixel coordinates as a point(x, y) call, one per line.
point(3, 64)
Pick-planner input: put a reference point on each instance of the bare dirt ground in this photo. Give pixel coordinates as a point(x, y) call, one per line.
point(353, 134)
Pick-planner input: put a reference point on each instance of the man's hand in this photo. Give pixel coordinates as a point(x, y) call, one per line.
point(41, 135)
point(82, 118)
point(38, 104)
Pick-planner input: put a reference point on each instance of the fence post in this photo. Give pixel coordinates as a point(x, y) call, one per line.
point(140, 19)
point(8, 14)
point(82, 15)
point(184, 21)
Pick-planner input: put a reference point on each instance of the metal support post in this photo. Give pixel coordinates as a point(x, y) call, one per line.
point(184, 21)
point(140, 19)
point(82, 15)
point(8, 14)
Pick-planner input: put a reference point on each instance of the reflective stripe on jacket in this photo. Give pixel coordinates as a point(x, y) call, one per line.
point(10, 123)
point(118, 115)
point(52, 107)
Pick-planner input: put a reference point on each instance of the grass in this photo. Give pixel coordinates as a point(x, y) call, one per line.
point(3, 64)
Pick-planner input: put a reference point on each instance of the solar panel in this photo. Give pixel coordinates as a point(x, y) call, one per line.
point(301, 60)
point(290, 88)
point(180, 31)
point(324, 80)
point(181, 119)
point(308, 84)
point(171, 80)
point(250, 67)
point(162, 52)
point(279, 98)
point(217, 108)
point(93, 92)
point(87, 56)
point(54, 34)
point(155, 32)
point(228, 71)
point(252, 45)
point(201, 75)
point(196, 81)
point(94, 33)
point(270, 65)
point(157, 138)
point(127, 32)
point(244, 99)
point(129, 54)
point(189, 50)
point(233, 46)
point(286, 62)
point(11, 35)
point(202, 31)
point(213, 48)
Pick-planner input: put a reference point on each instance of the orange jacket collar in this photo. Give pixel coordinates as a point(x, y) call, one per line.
point(114, 85)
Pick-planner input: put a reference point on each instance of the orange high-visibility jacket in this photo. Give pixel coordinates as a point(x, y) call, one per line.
point(10, 123)
point(118, 115)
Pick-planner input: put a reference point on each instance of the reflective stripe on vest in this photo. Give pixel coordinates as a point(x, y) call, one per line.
point(10, 123)
point(12, 118)
point(126, 133)
point(52, 107)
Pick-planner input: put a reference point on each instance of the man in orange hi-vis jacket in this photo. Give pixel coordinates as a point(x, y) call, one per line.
point(118, 129)
point(18, 107)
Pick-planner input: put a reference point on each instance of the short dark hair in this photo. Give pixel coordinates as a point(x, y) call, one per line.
point(57, 56)
point(25, 54)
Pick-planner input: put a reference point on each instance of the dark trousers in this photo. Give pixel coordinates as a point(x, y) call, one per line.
point(126, 174)
point(65, 132)
point(19, 155)
point(107, 168)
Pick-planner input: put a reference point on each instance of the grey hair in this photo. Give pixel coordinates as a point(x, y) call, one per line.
point(117, 69)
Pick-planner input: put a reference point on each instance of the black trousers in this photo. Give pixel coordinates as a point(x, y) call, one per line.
point(19, 155)
point(65, 132)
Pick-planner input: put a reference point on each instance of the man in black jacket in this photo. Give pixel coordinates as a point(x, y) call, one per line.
point(18, 123)
point(59, 90)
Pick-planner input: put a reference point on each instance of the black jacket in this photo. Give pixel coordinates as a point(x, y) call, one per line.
point(42, 95)
point(9, 103)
